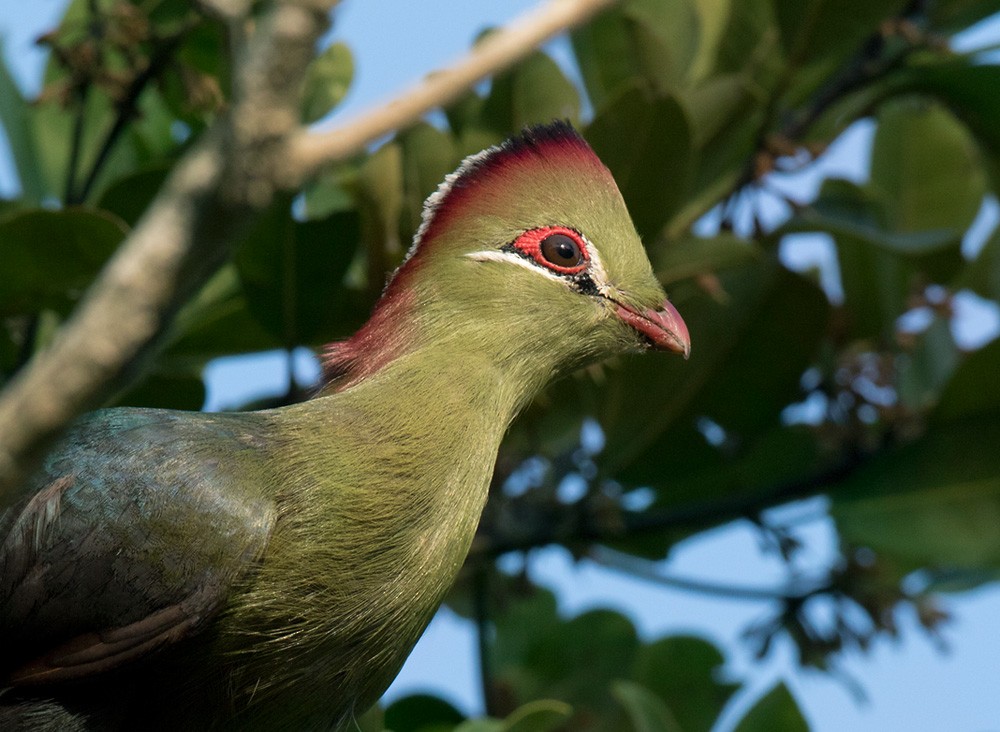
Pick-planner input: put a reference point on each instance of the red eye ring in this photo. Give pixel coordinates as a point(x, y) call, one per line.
point(530, 243)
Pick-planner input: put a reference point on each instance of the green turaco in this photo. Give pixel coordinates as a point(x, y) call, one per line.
point(272, 570)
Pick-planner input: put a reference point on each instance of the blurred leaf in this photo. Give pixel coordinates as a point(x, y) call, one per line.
point(954, 15)
point(654, 170)
point(379, 190)
point(428, 156)
point(690, 256)
point(746, 360)
point(534, 92)
point(15, 116)
point(776, 711)
point(712, 18)
point(50, 257)
point(879, 268)
point(845, 209)
point(536, 716)
point(934, 502)
point(925, 368)
point(646, 711)
point(925, 171)
point(813, 28)
point(604, 52)
point(982, 275)
point(685, 673)
point(292, 272)
point(130, 196)
point(327, 80)
point(421, 713)
point(749, 34)
point(165, 391)
point(974, 388)
point(969, 91)
point(216, 322)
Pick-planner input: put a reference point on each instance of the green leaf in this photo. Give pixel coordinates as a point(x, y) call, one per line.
point(428, 156)
point(957, 15)
point(678, 259)
point(982, 275)
point(926, 171)
point(813, 28)
point(684, 673)
point(327, 80)
point(844, 209)
point(50, 257)
point(712, 18)
point(654, 170)
point(776, 711)
point(292, 272)
point(130, 196)
point(879, 268)
point(974, 388)
point(166, 391)
point(934, 502)
point(969, 92)
point(746, 360)
point(15, 115)
point(925, 367)
point(421, 713)
point(216, 322)
point(537, 716)
point(646, 711)
point(534, 92)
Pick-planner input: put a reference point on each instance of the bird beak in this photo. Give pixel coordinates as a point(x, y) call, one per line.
point(665, 328)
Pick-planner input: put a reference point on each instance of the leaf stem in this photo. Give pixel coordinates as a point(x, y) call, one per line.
point(481, 601)
point(128, 107)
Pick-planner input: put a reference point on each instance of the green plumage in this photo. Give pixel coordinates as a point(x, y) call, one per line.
point(272, 570)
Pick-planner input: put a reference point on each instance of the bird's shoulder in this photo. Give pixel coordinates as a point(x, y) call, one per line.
point(129, 537)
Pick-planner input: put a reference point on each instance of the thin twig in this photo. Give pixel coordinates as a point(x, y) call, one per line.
point(312, 150)
point(587, 529)
point(76, 144)
point(647, 570)
point(127, 109)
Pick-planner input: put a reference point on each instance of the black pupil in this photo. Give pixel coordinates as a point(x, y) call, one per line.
point(561, 251)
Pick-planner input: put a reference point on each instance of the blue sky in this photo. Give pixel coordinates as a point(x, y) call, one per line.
point(910, 684)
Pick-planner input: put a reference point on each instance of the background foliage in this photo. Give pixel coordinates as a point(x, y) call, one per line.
point(698, 106)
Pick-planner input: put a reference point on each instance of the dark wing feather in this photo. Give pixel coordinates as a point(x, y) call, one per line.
point(129, 538)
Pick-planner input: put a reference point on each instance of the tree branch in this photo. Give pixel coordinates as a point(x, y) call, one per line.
point(587, 528)
point(182, 239)
point(647, 570)
point(312, 150)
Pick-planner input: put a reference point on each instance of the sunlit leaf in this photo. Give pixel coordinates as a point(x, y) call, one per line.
point(646, 711)
point(776, 711)
point(327, 80)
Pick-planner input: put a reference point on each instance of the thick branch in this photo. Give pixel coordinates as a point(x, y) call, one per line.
point(312, 150)
point(179, 243)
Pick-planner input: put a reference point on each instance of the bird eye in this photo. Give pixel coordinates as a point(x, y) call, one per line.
point(560, 250)
point(556, 248)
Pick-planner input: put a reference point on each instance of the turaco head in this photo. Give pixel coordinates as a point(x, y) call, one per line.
point(527, 257)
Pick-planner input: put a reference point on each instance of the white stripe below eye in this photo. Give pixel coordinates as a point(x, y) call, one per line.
point(595, 271)
point(494, 255)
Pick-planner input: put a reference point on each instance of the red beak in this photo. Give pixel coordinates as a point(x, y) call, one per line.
point(665, 328)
